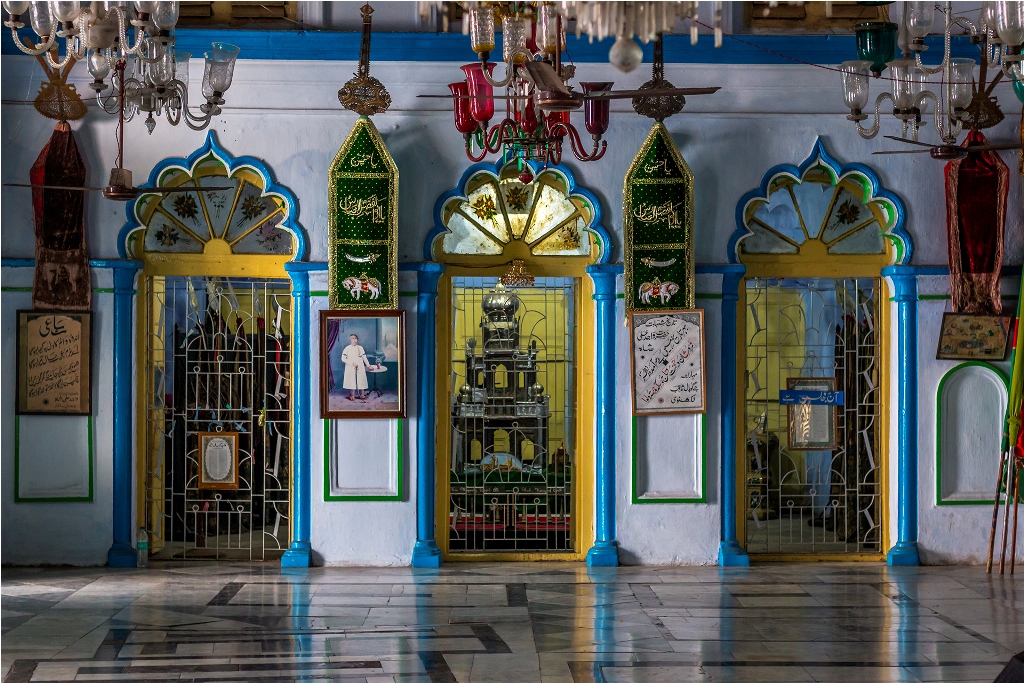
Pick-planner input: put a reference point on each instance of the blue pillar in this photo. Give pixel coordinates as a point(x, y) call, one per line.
point(122, 552)
point(605, 552)
point(904, 280)
point(730, 554)
point(299, 553)
point(426, 553)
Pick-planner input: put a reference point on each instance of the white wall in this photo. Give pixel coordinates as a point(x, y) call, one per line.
point(287, 114)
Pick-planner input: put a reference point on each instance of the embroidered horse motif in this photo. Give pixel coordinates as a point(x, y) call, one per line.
point(356, 286)
point(659, 289)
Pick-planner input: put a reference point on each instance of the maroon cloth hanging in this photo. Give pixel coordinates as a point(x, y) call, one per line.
point(62, 279)
point(976, 192)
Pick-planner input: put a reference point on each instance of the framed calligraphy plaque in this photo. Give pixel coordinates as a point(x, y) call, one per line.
point(54, 363)
point(658, 225)
point(363, 222)
point(812, 408)
point(218, 460)
point(666, 351)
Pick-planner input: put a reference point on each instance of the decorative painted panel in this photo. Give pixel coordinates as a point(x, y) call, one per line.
point(839, 209)
point(515, 202)
point(969, 426)
point(658, 224)
point(363, 222)
point(253, 215)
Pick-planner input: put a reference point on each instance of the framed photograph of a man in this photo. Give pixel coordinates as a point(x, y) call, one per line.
point(362, 364)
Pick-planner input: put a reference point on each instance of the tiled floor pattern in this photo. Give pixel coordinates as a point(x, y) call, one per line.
point(510, 623)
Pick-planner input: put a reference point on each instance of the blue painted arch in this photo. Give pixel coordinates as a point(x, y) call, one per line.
point(903, 246)
point(211, 148)
point(595, 227)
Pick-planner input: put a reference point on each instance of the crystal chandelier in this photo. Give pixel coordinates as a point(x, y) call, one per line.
point(146, 73)
point(961, 101)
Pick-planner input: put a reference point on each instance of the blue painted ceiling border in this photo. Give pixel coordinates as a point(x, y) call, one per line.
point(231, 163)
point(454, 47)
point(820, 156)
point(595, 226)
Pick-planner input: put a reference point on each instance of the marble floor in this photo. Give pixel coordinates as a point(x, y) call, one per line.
point(513, 623)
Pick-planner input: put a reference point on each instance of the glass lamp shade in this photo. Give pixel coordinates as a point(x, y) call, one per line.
point(524, 112)
point(39, 17)
point(98, 66)
point(162, 70)
point(855, 83)
point(555, 117)
point(165, 16)
point(961, 79)
point(65, 10)
point(596, 111)
point(464, 121)
point(220, 68)
point(908, 82)
point(876, 43)
point(1018, 89)
point(515, 30)
point(15, 8)
point(1010, 22)
point(920, 18)
point(145, 6)
point(181, 67)
point(481, 29)
point(550, 38)
point(987, 18)
point(481, 102)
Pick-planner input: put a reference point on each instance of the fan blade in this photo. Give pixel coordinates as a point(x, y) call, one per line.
point(908, 141)
point(543, 75)
point(990, 148)
point(52, 187)
point(155, 190)
point(653, 92)
point(905, 151)
point(477, 97)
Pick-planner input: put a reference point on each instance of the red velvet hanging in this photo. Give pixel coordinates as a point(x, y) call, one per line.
point(976, 192)
point(62, 279)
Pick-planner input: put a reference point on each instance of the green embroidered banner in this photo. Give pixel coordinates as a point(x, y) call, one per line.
point(363, 222)
point(658, 222)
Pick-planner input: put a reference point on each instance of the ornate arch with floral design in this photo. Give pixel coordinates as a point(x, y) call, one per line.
point(493, 217)
point(255, 216)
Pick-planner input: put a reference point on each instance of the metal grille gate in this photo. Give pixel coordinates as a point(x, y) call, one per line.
point(218, 360)
point(512, 416)
point(812, 501)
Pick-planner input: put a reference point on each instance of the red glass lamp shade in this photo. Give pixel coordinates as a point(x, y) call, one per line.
point(526, 116)
point(554, 118)
point(464, 121)
point(481, 102)
point(596, 111)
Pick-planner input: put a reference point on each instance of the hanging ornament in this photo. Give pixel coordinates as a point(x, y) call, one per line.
point(62, 279)
point(976, 192)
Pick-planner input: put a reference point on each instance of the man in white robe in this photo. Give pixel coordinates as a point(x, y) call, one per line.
point(354, 358)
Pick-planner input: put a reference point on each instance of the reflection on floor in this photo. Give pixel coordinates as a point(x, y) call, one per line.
point(516, 623)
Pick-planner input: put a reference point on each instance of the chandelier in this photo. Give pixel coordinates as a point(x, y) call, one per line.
point(146, 73)
point(960, 101)
point(538, 97)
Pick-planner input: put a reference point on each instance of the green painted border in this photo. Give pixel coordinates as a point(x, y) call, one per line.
point(327, 470)
point(938, 429)
point(17, 476)
point(703, 468)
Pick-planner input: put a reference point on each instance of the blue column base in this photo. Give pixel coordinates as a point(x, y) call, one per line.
point(903, 555)
point(730, 554)
point(603, 554)
point(122, 556)
point(299, 554)
point(426, 555)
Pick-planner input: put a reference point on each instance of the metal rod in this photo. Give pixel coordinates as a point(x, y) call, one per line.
point(995, 513)
point(1006, 517)
point(1016, 501)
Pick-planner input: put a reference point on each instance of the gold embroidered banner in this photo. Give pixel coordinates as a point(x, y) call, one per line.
point(363, 222)
point(658, 223)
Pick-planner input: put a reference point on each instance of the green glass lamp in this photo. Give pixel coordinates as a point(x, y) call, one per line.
point(1018, 88)
point(876, 43)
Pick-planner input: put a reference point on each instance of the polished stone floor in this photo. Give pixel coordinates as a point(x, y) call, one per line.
point(514, 623)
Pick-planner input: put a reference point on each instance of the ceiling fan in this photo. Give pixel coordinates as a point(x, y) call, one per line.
point(946, 152)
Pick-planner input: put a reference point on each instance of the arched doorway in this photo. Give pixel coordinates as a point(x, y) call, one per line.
point(515, 324)
point(813, 398)
point(214, 342)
